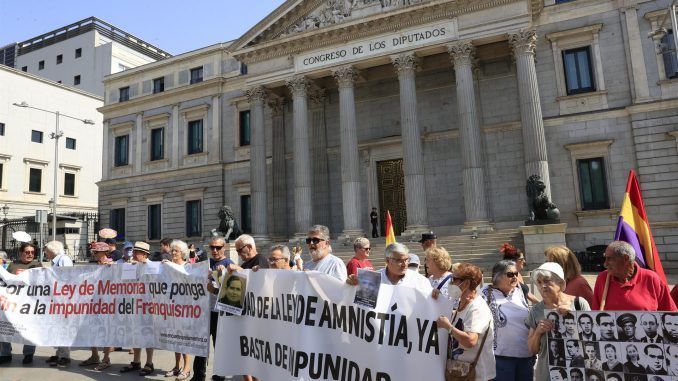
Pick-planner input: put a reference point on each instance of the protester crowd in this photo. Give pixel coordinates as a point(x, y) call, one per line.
point(501, 327)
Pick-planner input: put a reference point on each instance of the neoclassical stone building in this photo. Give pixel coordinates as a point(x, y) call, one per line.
point(436, 110)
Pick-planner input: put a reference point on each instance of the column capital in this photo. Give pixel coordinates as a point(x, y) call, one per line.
point(298, 85)
point(256, 94)
point(317, 97)
point(345, 76)
point(523, 42)
point(406, 62)
point(276, 105)
point(462, 53)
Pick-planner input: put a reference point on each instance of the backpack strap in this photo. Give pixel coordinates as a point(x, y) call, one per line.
point(442, 283)
point(577, 304)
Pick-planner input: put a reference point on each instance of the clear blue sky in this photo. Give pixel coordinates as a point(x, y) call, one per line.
point(176, 26)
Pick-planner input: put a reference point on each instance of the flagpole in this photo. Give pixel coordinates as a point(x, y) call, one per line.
point(607, 286)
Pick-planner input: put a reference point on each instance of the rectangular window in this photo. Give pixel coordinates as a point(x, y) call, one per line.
point(593, 184)
point(78, 52)
point(70, 143)
point(60, 59)
point(69, 184)
point(35, 180)
point(154, 214)
point(196, 75)
point(76, 80)
point(124, 94)
point(245, 132)
point(193, 219)
point(36, 136)
point(246, 213)
point(157, 144)
point(194, 136)
point(578, 70)
point(121, 150)
point(41, 65)
point(24, 68)
point(159, 85)
point(117, 222)
point(243, 69)
point(2, 129)
point(669, 55)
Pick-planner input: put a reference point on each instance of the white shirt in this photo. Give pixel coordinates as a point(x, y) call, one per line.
point(435, 282)
point(411, 279)
point(476, 318)
point(330, 265)
point(509, 314)
point(62, 260)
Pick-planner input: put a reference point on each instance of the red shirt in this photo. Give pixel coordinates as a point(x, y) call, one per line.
point(643, 292)
point(578, 286)
point(354, 264)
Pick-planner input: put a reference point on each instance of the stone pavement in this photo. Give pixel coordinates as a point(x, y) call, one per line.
point(40, 370)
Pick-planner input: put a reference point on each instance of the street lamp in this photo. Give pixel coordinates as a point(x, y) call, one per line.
point(5, 210)
point(54, 135)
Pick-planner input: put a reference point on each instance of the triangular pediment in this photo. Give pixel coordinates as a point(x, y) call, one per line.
point(295, 17)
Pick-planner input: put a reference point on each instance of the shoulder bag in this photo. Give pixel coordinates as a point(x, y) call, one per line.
point(457, 370)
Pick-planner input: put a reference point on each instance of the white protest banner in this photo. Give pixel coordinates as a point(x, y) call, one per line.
point(88, 306)
point(305, 326)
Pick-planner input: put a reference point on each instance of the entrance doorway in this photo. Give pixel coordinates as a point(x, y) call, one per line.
point(391, 185)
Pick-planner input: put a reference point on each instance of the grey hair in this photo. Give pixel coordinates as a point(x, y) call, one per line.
point(181, 245)
point(545, 274)
point(360, 242)
point(499, 269)
point(623, 249)
point(396, 247)
point(246, 239)
point(55, 247)
point(322, 230)
point(283, 249)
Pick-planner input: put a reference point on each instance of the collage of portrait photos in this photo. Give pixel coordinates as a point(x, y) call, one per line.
point(613, 346)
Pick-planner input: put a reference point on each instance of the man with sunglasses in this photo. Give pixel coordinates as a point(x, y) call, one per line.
point(218, 248)
point(247, 251)
point(361, 248)
point(322, 260)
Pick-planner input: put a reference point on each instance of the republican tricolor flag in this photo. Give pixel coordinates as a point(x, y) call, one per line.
point(390, 236)
point(634, 227)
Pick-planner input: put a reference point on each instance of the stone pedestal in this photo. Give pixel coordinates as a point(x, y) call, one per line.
point(538, 237)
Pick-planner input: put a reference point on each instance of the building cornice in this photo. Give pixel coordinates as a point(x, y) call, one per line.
point(362, 28)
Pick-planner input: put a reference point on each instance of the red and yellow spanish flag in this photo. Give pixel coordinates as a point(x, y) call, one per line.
point(390, 236)
point(634, 227)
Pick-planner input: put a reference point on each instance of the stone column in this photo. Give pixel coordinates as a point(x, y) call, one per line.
point(106, 162)
point(641, 89)
point(174, 143)
point(215, 143)
point(534, 139)
point(303, 199)
point(413, 163)
point(279, 165)
point(257, 96)
point(321, 181)
point(470, 140)
point(350, 168)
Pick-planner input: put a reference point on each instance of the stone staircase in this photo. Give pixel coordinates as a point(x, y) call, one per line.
point(481, 251)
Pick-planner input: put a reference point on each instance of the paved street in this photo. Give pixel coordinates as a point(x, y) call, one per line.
point(163, 360)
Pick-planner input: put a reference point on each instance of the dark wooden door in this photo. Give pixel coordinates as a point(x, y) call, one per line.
point(391, 183)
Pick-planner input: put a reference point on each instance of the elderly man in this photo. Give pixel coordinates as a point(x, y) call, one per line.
point(631, 287)
point(650, 326)
point(397, 271)
point(218, 248)
point(279, 257)
point(322, 260)
point(54, 250)
point(361, 248)
point(247, 251)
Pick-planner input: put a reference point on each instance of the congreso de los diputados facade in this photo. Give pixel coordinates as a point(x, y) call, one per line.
point(436, 110)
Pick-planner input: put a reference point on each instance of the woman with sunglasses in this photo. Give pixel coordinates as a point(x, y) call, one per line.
point(512, 253)
point(509, 310)
point(550, 281)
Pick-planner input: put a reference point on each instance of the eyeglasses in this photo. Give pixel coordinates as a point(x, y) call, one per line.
point(512, 274)
point(240, 249)
point(29, 252)
point(313, 240)
point(399, 261)
point(366, 248)
point(217, 248)
point(275, 260)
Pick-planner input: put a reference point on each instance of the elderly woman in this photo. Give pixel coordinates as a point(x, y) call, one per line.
point(438, 262)
point(179, 253)
point(576, 284)
point(512, 253)
point(25, 261)
point(550, 280)
point(509, 310)
point(630, 287)
point(471, 323)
